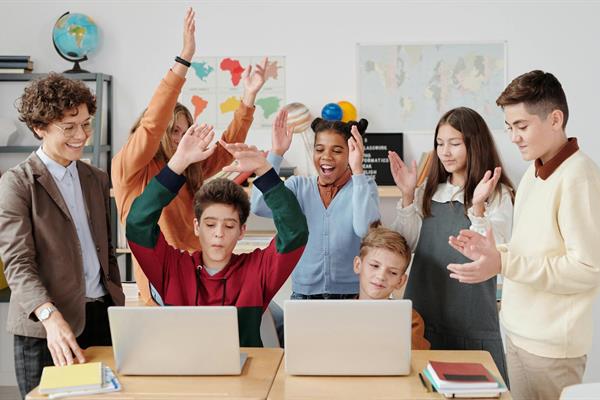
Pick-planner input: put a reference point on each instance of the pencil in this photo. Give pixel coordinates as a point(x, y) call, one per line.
point(423, 383)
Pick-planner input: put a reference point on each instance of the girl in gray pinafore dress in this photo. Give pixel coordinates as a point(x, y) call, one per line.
point(459, 194)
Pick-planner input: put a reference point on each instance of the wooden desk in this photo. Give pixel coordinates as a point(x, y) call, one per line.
point(396, 387)
point(254, 383)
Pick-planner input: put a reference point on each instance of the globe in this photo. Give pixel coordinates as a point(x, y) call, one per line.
point(74, 37)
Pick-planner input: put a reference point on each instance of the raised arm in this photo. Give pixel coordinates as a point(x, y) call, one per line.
point(144, 141)
point(281, 256)
point(575, 269)
point(408, 220)
point(365, 197)
point(490, 209)
point(143, 233)
point(281, 140)
point(253, 80)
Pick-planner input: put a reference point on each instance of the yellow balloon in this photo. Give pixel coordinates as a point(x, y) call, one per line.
point(348, 111)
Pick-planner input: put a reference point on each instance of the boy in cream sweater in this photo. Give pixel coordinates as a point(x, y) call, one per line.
point(551, 266)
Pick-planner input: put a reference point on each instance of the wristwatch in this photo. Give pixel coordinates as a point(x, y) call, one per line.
point(45, 313)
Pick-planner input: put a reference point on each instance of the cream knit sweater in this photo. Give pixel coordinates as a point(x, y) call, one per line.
point(552, 264)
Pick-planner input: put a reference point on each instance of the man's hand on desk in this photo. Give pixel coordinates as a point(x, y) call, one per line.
point(61, 340)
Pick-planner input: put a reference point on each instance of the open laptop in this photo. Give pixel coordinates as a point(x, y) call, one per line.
point(347, 337)
point(176, 340)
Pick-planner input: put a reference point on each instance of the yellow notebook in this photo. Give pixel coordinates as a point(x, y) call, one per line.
point(3, 283)
point(71, 377)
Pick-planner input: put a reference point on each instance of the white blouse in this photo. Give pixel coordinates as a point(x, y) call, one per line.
point(498, 213)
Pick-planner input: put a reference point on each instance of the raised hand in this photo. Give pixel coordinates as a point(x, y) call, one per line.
point(189, 43)
point(281, 137)
point(193, 147)
point(485, 187)
point(189, 32)
point(487, 265)
point(404, 177)
point(248, 158)
point(357, 151)
point(253, 81)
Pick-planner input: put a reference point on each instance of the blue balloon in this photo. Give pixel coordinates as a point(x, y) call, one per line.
point(332, 112)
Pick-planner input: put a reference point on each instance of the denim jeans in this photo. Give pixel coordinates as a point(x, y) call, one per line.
point(323, 296)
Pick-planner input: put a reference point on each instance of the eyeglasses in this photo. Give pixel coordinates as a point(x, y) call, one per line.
point(70, 130)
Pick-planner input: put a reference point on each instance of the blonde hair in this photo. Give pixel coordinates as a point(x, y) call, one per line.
point(194, 174)
point(380, 237)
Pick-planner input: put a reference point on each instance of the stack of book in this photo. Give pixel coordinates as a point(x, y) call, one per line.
point(78, 380)
point(15, 64)
point(463, 380)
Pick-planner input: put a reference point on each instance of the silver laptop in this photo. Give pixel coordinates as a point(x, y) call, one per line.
point(347, 337)
point(176, 340)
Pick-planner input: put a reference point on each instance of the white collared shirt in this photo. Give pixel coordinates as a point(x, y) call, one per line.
point(498, 213)
point(67, 180)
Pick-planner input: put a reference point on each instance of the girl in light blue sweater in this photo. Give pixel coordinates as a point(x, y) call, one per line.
point(339, 204)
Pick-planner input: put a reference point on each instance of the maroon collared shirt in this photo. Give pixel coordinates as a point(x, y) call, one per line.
point(544, 171)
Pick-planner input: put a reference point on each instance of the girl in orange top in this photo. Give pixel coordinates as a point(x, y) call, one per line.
point(154, 139)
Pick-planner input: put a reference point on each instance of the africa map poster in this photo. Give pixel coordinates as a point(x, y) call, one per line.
point(407, 87)
point(214, 89)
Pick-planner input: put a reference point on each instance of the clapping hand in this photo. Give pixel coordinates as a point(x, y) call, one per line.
point(486, 186)
point(357, 151)
point(254, 80)
point(404, 177)
point(193, 147)
point(248, 158)
point(480, 248)
point(281, 137)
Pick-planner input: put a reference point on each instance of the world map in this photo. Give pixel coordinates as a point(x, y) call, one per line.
point(214, 89)
point(406, 88)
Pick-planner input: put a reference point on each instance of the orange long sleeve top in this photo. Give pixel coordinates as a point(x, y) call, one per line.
point(134, 165)
point(418, 333)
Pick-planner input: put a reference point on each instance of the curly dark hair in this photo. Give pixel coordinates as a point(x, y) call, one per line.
point(222, 191)
point(342, 128)
point(48, 99)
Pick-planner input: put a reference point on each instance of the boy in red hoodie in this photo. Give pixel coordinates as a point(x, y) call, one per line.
point(216, 276)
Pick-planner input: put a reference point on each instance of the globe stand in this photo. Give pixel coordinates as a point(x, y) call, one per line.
point(77, 68)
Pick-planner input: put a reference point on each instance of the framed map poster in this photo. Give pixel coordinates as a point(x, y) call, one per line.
point(214, 88)
point(407, 87)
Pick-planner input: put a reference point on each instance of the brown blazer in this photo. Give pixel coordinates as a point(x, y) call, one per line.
point(40, 247)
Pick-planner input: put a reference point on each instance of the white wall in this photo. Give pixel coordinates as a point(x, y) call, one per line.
point(140, 39)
